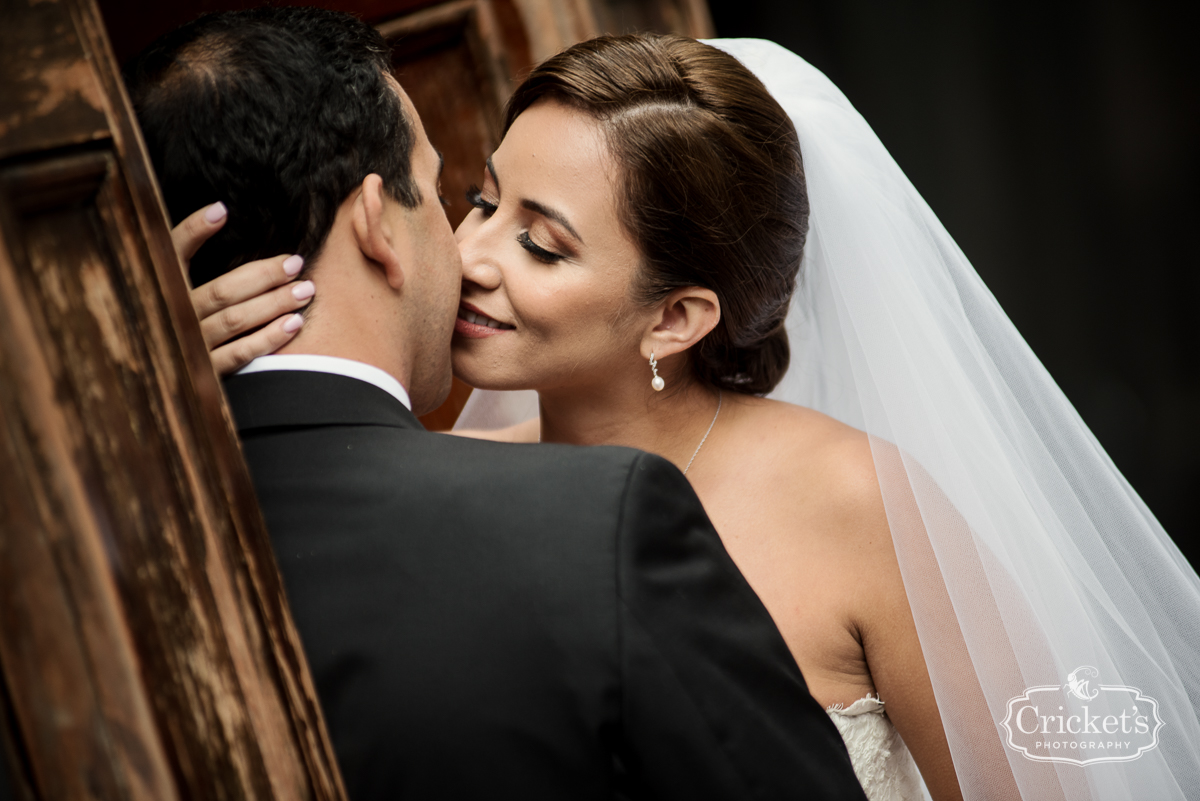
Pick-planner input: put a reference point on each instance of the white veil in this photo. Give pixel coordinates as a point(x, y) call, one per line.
point(1030, 564)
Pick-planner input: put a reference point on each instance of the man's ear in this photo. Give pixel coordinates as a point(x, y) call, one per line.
point(680, 320)
point(375, 232)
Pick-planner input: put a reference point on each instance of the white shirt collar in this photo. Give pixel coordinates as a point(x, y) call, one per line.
point(330, 364)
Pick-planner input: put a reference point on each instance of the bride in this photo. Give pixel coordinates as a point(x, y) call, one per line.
point(930, 524)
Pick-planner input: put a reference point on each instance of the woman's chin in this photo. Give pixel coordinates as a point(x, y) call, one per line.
point(493, 385)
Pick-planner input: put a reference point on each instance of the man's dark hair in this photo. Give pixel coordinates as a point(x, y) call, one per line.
point(277, 112)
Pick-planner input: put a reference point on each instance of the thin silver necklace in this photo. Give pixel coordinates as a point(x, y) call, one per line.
point(706, 433)
point(703, 439)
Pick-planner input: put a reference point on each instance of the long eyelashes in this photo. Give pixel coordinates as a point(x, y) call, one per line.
point(539, 253)
point(475, 198)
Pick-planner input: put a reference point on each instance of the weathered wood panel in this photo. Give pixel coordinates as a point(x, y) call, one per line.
point(14, 782)
point(145, 641)
point(687, 17)
point(133, 24)
point(65, 646)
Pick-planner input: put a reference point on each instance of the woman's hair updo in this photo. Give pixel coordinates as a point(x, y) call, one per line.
point(711, 180)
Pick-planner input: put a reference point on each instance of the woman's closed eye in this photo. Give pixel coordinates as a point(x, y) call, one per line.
point(476, 199)
point(538, 252)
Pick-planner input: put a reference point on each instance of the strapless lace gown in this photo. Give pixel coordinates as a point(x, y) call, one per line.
point(881, 760)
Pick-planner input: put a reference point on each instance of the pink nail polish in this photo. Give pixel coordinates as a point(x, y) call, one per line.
point(304, 290)
point(215, 213)
point(292, 264)
point(293, 323)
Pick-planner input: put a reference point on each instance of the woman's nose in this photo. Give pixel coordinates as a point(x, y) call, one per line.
point(479, 264)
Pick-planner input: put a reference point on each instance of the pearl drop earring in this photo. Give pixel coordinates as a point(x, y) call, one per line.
point(657, 381)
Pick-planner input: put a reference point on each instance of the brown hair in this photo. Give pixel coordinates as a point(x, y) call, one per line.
point(712, 185)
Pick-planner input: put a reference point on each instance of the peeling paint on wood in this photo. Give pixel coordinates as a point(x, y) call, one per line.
point(51, 93)
point(145, 640)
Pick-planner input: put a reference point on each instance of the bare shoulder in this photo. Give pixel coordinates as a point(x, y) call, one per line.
point(832, 463)
point(824, 451)
point(521, 432)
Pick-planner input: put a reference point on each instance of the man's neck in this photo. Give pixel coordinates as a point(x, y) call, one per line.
point(353, 321)
point(321, 346)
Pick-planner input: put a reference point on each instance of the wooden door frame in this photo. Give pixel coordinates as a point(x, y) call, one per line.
point(146, 645)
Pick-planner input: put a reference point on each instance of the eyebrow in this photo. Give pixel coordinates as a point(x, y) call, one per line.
point(441, 162)
point(540, 208)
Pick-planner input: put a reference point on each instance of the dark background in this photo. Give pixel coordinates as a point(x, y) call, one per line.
point(1057, 143)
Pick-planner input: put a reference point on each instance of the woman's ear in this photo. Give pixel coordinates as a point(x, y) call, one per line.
point(375, 231)
point(681, 319)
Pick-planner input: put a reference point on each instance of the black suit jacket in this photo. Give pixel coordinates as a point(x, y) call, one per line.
point(489, 620)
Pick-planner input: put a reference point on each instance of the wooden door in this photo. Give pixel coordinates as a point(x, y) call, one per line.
point(146, 649)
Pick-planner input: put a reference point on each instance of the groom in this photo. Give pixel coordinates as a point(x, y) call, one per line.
point(482, 620)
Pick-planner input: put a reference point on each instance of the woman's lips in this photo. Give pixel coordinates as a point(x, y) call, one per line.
point(475, 324)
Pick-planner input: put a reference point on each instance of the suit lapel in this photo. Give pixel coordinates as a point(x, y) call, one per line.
point(275, 398)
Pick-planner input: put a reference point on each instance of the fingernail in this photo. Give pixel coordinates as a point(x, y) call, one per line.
point(293, 323)
point(304, 290)
point(292, 264)
point(215, 213)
